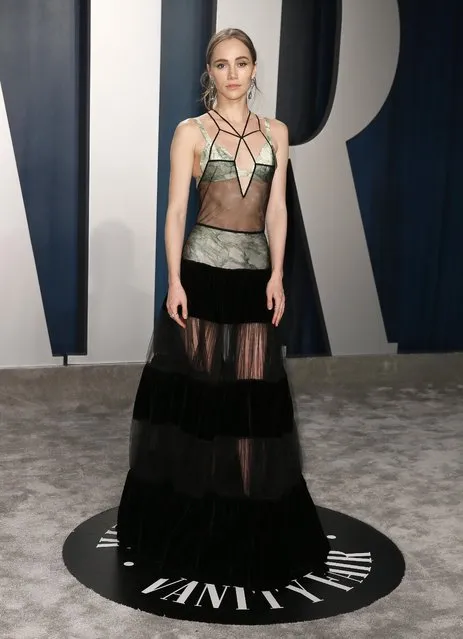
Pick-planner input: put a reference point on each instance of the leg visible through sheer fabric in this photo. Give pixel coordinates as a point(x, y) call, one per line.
point(250, 361)
point(200, 339)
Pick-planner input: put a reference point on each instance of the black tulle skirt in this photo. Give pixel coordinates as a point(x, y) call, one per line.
point(215, 490)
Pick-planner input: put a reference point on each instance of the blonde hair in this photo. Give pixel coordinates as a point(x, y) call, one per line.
point(209, 91)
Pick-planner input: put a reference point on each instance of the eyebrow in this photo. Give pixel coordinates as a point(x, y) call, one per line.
point(241, 57)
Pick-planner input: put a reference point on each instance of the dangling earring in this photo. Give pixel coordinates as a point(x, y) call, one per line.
point(252, 89)
point(213, 89)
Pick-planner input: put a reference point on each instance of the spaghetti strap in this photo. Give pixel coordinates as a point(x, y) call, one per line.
point(267, 130)
point(202, 128)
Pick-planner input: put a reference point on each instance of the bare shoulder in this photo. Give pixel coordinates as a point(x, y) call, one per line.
point(278, 128)
point(204, 117)
point(186, 132)
point(279, 133)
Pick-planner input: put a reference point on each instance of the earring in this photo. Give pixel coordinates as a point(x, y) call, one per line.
point(212, 88)
point(252, 89)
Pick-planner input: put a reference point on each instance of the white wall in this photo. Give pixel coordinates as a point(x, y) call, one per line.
point(261, 20)
point(124, 119)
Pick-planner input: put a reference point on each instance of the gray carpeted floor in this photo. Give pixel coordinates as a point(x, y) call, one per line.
point(390, 455)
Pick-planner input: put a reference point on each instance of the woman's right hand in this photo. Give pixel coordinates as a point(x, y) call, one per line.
point(176, 297)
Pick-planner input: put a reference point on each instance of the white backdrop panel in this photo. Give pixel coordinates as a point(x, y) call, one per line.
point(124, 121)
point(261, 20)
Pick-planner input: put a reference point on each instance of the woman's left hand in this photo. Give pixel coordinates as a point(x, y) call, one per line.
point(276, 298)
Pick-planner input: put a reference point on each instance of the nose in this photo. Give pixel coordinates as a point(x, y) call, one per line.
point(232, 72)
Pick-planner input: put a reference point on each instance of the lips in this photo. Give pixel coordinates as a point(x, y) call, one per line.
point(232, 86)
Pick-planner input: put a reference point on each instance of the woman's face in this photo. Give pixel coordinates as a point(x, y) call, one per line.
point(232, 68)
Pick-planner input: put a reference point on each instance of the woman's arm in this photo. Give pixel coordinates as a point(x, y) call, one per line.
point(276, 221)
point(181, 168)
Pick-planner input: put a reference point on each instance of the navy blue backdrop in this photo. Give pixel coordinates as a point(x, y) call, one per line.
point(407, 167)
point(309, 47)
point(406, 164)
point(44, 49)
point(180, 90)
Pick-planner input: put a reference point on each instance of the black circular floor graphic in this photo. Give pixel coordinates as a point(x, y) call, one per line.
point(363, 566)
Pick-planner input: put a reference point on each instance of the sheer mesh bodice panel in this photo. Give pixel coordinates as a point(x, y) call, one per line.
point(236, 173)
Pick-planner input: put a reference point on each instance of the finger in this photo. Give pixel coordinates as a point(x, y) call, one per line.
point(269, 302)
point(171, 306)
point(181, 315)
point(275, 311)
point(280, 313)
point(180, 321)
point(173, 311)
point(276, 302)
point(281, 307)
point(177, 319)
point(182, 312)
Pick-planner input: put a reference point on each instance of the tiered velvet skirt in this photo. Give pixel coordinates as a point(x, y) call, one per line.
point(215, 490)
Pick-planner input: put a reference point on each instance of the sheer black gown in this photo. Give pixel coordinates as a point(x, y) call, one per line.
point(215, 490)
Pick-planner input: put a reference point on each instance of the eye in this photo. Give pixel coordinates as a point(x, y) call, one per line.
point(243, 64)
point(220, 65)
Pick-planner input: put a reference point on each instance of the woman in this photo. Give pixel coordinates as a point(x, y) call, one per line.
point(215, 491)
